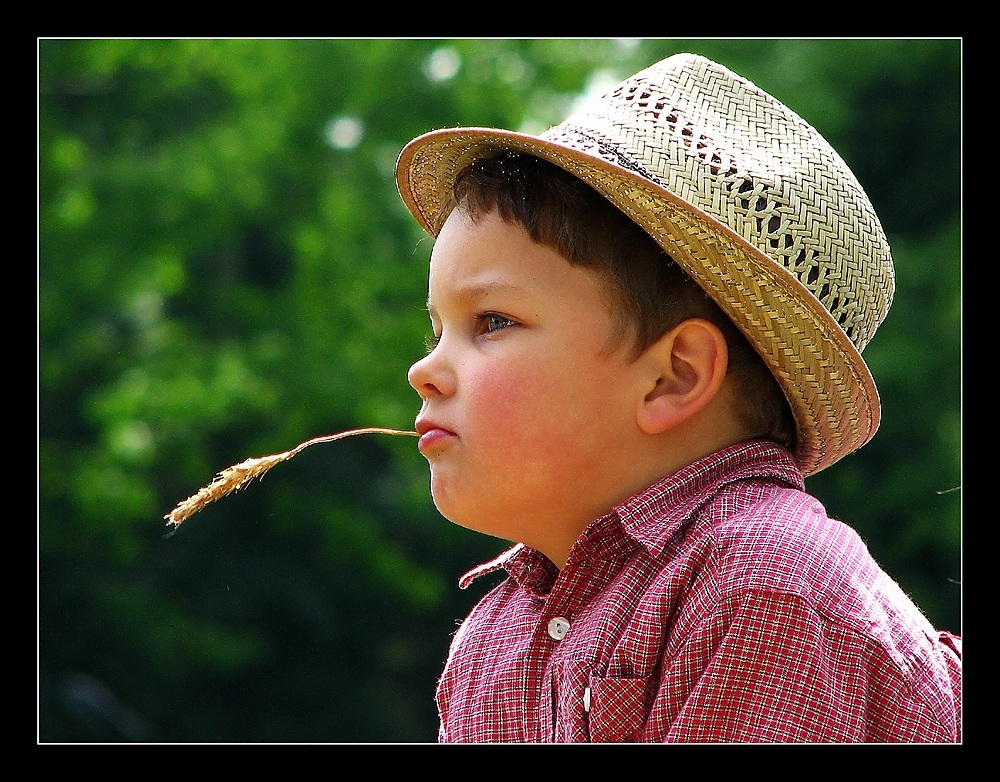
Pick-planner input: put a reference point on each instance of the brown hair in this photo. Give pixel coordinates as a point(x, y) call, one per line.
point(648, 293)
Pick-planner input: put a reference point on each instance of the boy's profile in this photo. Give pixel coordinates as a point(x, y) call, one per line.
point(647, 331)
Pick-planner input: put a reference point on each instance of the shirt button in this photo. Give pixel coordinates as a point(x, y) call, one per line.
point(558, 627)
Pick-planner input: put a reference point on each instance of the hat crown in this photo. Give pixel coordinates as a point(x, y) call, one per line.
point(717, 141)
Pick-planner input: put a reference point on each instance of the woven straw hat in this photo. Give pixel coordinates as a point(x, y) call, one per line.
point(749, 199)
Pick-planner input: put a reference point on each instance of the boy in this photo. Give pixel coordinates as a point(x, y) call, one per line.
point(647, 331)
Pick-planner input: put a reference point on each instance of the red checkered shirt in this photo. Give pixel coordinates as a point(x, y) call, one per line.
point(719, 605)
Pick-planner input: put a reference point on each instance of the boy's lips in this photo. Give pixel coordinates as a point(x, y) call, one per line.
point(431, 434)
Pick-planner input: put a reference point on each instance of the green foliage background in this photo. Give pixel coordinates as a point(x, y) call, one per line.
point(218, 279)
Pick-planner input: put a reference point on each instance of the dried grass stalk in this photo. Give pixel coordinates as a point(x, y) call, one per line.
point(239, 475)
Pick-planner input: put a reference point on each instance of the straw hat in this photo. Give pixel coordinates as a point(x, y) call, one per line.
point(749, 199)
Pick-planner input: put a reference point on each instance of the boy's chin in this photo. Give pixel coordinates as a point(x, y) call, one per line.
point(474, 522)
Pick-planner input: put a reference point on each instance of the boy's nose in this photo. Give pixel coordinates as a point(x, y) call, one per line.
point(427, 376)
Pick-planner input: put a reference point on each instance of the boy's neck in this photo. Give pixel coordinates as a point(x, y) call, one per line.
point(651, 459)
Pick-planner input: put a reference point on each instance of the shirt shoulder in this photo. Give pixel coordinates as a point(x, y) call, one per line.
point(784, 539)
point(786, 544)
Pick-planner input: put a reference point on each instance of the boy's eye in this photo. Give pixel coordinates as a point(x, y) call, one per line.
point(487, 323)
point(491, 322)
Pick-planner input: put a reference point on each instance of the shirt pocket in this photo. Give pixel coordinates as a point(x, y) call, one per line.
point(618, 708)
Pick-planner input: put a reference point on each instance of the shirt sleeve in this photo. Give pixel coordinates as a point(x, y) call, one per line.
point(768, 668)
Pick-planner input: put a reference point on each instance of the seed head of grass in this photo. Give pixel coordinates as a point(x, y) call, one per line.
point(239, 475)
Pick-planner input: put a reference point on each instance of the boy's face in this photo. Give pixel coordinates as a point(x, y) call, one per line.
point(526, 410)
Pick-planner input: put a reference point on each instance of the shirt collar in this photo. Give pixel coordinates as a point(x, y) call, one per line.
point(529, 567)
point(654, 515)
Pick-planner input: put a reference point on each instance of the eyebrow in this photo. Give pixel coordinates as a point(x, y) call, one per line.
point(474, 291)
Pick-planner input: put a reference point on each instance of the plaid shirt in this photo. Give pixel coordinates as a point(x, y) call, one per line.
point(718, 605)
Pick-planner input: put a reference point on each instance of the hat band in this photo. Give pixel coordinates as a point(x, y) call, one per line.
point(574, 138)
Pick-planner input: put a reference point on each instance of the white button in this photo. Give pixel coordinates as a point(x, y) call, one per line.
point(558, 627)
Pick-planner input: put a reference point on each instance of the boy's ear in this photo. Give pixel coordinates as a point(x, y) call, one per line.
point(687, 367)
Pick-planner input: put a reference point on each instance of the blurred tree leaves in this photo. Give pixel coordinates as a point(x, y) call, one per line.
point(226, 269)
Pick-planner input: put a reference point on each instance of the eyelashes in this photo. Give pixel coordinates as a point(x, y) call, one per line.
point(488, 320)
point(487, 323)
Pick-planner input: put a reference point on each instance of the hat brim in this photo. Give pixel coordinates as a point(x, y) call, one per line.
point(829, 388)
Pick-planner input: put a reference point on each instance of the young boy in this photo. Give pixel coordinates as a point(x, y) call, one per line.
point(647, 330)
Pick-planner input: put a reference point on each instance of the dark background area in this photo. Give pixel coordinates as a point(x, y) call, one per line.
point(225, 269)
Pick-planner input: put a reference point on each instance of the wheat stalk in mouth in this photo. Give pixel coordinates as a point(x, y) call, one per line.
point(239, 475)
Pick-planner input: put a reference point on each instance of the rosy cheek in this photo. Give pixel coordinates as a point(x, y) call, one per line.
point(515, 420)
point(500, 396)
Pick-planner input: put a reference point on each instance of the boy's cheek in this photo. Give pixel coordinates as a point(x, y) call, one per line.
point(510, 405)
